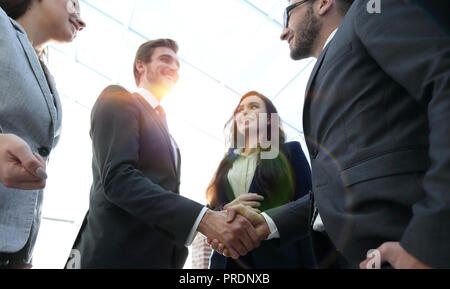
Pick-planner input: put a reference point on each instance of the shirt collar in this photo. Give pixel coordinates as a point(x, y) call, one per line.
point(149, 97)
point(330, 38)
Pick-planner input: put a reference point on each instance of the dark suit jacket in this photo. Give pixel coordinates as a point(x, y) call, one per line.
point(376, 117)
point(136, 218)
point(439, 11)
point(270, 255)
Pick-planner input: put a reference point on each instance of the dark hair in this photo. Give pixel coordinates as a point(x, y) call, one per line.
point(146, 50)
point(272, 175)
point(344, 5)
point(15, 8)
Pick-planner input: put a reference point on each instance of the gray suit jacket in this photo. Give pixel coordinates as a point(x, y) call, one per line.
point(29, 108)
point(376, 117)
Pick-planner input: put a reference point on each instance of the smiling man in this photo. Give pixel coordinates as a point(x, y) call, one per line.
point(375, 107)
point(137, 218)
point(376, 115)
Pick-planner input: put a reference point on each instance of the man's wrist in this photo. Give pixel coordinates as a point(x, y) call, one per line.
point(264, 231)
point(194, 228)
point(202, 226)
point(273, 230)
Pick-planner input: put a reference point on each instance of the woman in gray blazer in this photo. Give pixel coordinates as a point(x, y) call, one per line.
point(30, 111)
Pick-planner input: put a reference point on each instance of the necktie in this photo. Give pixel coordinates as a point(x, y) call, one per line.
point(162, 116)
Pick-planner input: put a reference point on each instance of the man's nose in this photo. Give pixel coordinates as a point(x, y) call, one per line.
point(284, 34)
point(173, 65)
point(81, 23)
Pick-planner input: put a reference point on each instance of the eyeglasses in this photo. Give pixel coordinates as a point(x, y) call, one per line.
point(288, 9)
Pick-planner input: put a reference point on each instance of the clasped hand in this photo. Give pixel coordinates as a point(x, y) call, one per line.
point(241, 212)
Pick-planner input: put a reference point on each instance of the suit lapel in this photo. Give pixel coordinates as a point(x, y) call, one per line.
point(178, 157)
point(40, 77)
point(253, 186)
point(315, 71)
point(57, 101)
point(164, 131)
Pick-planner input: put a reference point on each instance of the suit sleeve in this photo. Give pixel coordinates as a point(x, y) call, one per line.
point(416, 54)
point(292, 219)
point(115, 135)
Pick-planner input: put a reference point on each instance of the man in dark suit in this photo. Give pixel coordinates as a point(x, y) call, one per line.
point(438, 10)
point(376, 117)
point(137, 218)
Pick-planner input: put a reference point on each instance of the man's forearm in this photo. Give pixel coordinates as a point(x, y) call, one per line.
point(291, 220)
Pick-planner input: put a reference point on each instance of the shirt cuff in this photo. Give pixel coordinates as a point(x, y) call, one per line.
point(191, 235)
point(318, 224)
point(272, 227)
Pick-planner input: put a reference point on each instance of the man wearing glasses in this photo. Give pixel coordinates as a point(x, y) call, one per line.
point(376, 115)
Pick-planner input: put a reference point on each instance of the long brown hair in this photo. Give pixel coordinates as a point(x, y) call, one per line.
point(270, 173)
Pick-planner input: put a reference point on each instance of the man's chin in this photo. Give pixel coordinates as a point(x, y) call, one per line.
point(299, 54)
point(163, 89)
point(167, 86)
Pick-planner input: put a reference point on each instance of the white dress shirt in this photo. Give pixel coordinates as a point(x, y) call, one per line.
point(241, 174)
point(318, 224)
point(154, 102)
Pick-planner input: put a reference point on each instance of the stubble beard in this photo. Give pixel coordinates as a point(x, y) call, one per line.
point(308, 31)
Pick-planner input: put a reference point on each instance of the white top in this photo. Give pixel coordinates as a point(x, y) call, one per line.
point(240, 176)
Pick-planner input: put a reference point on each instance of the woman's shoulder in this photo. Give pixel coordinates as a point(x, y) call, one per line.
point(8, 23)
point(292, 147)
point(294, 151)
point(3, 15)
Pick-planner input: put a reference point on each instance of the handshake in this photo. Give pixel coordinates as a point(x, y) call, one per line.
point(237, 229)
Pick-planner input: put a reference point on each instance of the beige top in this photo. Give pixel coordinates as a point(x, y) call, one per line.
point(241, 174)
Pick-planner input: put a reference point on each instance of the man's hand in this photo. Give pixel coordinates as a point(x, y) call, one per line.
point(394, 254)
point(19, 167)
point(253, 215)
point(238, 236)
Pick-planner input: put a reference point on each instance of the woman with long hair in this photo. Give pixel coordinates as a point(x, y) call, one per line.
point(30, 110)
point(251, 174)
